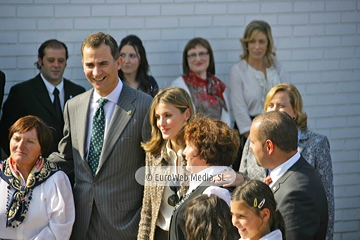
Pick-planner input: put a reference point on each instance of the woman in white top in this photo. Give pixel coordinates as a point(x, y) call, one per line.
point(36, 198)
point(254, 75)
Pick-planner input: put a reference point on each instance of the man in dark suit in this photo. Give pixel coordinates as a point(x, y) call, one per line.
point(37, 97)
point(111, 118)
point(297, 188)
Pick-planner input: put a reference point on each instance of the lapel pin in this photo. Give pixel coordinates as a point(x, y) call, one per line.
point(129, 112)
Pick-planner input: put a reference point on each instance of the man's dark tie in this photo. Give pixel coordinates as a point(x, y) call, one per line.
point(56, 103)
point(97, 136)
point(268, 180)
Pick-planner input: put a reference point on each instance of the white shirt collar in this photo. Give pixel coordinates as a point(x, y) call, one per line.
point(51, 87)
point(111, 97)
point(203, 175)
point(277, 172)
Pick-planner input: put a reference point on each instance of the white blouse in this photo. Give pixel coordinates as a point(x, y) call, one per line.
point(248, 88)
point(51, 212)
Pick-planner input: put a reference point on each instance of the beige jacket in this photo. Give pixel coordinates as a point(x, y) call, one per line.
point(152, 196)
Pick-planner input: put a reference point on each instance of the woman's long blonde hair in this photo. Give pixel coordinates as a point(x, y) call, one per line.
point(180, 99)
point(250, 30)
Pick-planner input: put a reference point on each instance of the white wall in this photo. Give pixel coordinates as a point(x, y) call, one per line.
point(318, 42)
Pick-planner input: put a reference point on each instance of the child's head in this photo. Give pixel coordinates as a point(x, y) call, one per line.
point(253, 209)
point(207, 218)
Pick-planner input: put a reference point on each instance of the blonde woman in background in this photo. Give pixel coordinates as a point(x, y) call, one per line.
point(253, 76)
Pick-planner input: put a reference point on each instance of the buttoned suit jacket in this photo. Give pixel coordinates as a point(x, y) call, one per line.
point(32, 98)
point(113, 189)
point(301, 200)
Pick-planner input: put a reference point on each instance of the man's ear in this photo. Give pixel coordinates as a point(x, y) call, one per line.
point(40, 62)
point(269, 146)
point(119, 62)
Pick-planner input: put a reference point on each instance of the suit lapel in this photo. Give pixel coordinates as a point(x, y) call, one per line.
point(287, 174)
point(123, 112)
point(67, 90)
point(82, 121)
point(43, 95)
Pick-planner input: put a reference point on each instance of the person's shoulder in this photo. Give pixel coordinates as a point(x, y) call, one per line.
point(26, 85)
point(240, 65)
point(314, 136)
point(74, 86)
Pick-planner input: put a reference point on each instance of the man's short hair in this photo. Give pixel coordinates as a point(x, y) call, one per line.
point(51, 43)
point(278, 127)
point(94, 40)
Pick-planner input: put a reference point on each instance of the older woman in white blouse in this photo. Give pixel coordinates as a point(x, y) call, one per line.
point(36, 198)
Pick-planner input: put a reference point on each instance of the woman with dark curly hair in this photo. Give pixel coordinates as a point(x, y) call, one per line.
point(211, 147)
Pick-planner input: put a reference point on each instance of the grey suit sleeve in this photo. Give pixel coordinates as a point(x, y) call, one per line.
point(146, 128)
point(64, 157)
point(307, 220)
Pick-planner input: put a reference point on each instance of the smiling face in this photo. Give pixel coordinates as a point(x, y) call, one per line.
point(53, 64)
point(257, 47)
point(249, 224)
point(281, 102)
point(131, 60)
point(100, 68)
point(170, 120)
point(25, 148)
point(198, 60)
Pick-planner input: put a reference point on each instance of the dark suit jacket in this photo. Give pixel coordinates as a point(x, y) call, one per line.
point(114, 190)
point(2, 86)
point(301, 199)
point(31, 98)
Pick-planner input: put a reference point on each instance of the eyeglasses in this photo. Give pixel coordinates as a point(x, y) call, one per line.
point(200, 54)
point(174, 198)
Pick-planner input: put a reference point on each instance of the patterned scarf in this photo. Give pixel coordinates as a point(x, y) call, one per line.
point(207, 94)
point(19, 196)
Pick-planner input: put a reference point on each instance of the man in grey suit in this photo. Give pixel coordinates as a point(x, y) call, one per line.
point(297, 188)
point(107, 197)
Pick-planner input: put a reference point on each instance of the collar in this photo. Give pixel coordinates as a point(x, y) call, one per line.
point(51, 87)
point(277, 172)
point(111, 97)
point(200, 177)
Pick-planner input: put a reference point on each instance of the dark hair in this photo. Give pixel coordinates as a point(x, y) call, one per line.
point(278, 127)
point(43, 131)
point(51, 43)
point(255, 189)
point(94, 40)
point(216, 143)
point(209, 218)
point(250, 30)
point(192, 44)
point(142, 72)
